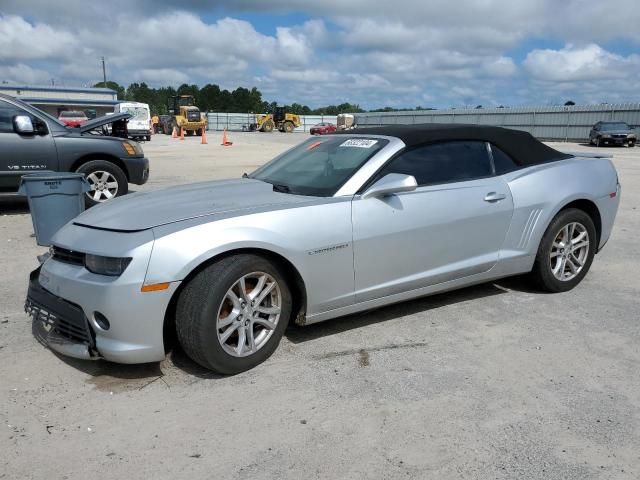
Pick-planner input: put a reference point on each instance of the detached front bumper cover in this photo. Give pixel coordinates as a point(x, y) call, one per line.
point(58, 324)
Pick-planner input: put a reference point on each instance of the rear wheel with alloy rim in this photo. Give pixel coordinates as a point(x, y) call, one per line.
point(231, 316)
point(566, 251)
point(106, 181)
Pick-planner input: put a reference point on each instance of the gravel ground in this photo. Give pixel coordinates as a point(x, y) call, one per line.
point(495, 381)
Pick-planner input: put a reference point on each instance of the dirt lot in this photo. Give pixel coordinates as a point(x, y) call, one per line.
point(494, 381)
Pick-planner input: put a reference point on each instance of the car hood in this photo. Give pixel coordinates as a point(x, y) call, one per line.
point(617, 132)
point(141, 211)
point(104, 120)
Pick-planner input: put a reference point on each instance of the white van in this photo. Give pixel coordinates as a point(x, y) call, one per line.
point(139, 125)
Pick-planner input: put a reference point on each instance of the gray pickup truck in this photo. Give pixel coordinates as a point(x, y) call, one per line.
point(32, 140)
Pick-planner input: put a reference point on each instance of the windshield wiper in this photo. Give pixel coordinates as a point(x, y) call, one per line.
point(278, 187)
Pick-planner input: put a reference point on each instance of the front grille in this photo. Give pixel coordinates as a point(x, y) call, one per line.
point(67, 256)
point(193, 116)
point(619, 135)
point(75, 331)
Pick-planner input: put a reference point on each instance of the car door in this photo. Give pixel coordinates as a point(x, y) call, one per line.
point(22, 153)
point(452, 226)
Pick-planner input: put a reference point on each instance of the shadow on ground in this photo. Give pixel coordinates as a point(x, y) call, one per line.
point(13, 205)
point(298, 334)
point(116, 378)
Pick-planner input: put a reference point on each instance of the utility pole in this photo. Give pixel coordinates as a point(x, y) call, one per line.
point(104, 74)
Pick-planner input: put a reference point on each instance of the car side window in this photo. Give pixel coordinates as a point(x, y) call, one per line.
point(444, 162)
point(7, 112)
point(502, 162)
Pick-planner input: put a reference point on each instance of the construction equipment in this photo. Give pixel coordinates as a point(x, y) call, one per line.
point(284, 122)
point(185, 115)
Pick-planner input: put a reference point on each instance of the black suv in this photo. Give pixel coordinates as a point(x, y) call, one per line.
point(32, 140)
point(612, 133)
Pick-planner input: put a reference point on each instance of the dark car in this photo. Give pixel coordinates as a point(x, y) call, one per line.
point(32, 140)
point(612, 133)
point(323, 128)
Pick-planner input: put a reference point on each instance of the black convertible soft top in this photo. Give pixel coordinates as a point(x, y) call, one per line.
point(521, 146)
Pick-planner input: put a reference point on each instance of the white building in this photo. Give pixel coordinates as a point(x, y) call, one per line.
point(53, 100)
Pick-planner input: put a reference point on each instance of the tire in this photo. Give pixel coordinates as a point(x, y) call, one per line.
point(199, 132)
point(110, 177)
point(148, 138)
point(289, 127)
point(551, 252)
point(204, 299)
point(268, 126)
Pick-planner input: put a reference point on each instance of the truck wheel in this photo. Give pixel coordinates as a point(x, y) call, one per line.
point(106, 181)
point(231, 316)
point(268, 126)
point(289, 127)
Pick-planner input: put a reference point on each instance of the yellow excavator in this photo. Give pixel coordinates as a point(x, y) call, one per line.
point(284, 122)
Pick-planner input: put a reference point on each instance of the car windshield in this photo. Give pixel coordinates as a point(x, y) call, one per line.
point(71, 114)
point(137, 113)
point(615, 126)
point(319, 167)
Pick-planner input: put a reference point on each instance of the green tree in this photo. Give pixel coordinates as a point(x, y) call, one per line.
point(120, 90)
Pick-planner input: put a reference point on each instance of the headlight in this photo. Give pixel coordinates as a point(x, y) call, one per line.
point(132, 148)
point(111, 266)
point(631, 135)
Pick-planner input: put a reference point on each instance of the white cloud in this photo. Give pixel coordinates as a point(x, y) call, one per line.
point(23, 74)
point(23, 41)
point(571, 64)
point(402, 52)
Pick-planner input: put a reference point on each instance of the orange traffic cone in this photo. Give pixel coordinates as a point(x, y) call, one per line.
point(225, 142)
point(203, 140)
point(175, 132)
point(181, 133)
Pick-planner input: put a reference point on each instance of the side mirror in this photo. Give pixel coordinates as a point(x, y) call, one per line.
point(23, 125)
point(390, 184)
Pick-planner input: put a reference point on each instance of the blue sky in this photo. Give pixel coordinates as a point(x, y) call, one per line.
point(406, 53)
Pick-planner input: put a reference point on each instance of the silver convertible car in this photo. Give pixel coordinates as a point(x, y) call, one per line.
point(336, 225)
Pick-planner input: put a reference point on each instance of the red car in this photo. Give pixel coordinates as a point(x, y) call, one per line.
point(323, 129)
point(72, 118)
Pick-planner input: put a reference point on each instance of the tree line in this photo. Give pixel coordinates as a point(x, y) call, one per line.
point(210, 98)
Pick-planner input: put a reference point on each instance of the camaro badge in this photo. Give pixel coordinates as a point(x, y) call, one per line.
point(328, 249)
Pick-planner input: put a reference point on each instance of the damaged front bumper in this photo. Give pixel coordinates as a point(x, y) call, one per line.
point(58, 324)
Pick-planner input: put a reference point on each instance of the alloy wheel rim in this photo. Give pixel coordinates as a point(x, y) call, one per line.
point(102, 186)
point(569, 251)
point(248, 314)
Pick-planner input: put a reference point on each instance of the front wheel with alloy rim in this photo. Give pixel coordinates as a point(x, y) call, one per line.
point(231, 316)
point(106, 181)
point(566, 251)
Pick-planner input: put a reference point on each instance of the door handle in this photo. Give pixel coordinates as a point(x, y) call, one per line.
point(494, 197)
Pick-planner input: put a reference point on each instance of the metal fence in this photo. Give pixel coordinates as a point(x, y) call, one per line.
point(571, 123)
point(241, 121)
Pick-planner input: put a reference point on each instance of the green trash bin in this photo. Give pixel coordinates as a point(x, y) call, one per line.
point(54, 199)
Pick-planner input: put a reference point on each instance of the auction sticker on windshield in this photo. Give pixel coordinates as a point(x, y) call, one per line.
point(359, 143)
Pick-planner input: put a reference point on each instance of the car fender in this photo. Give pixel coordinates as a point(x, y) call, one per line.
point(540, 192)
point(317, 243)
